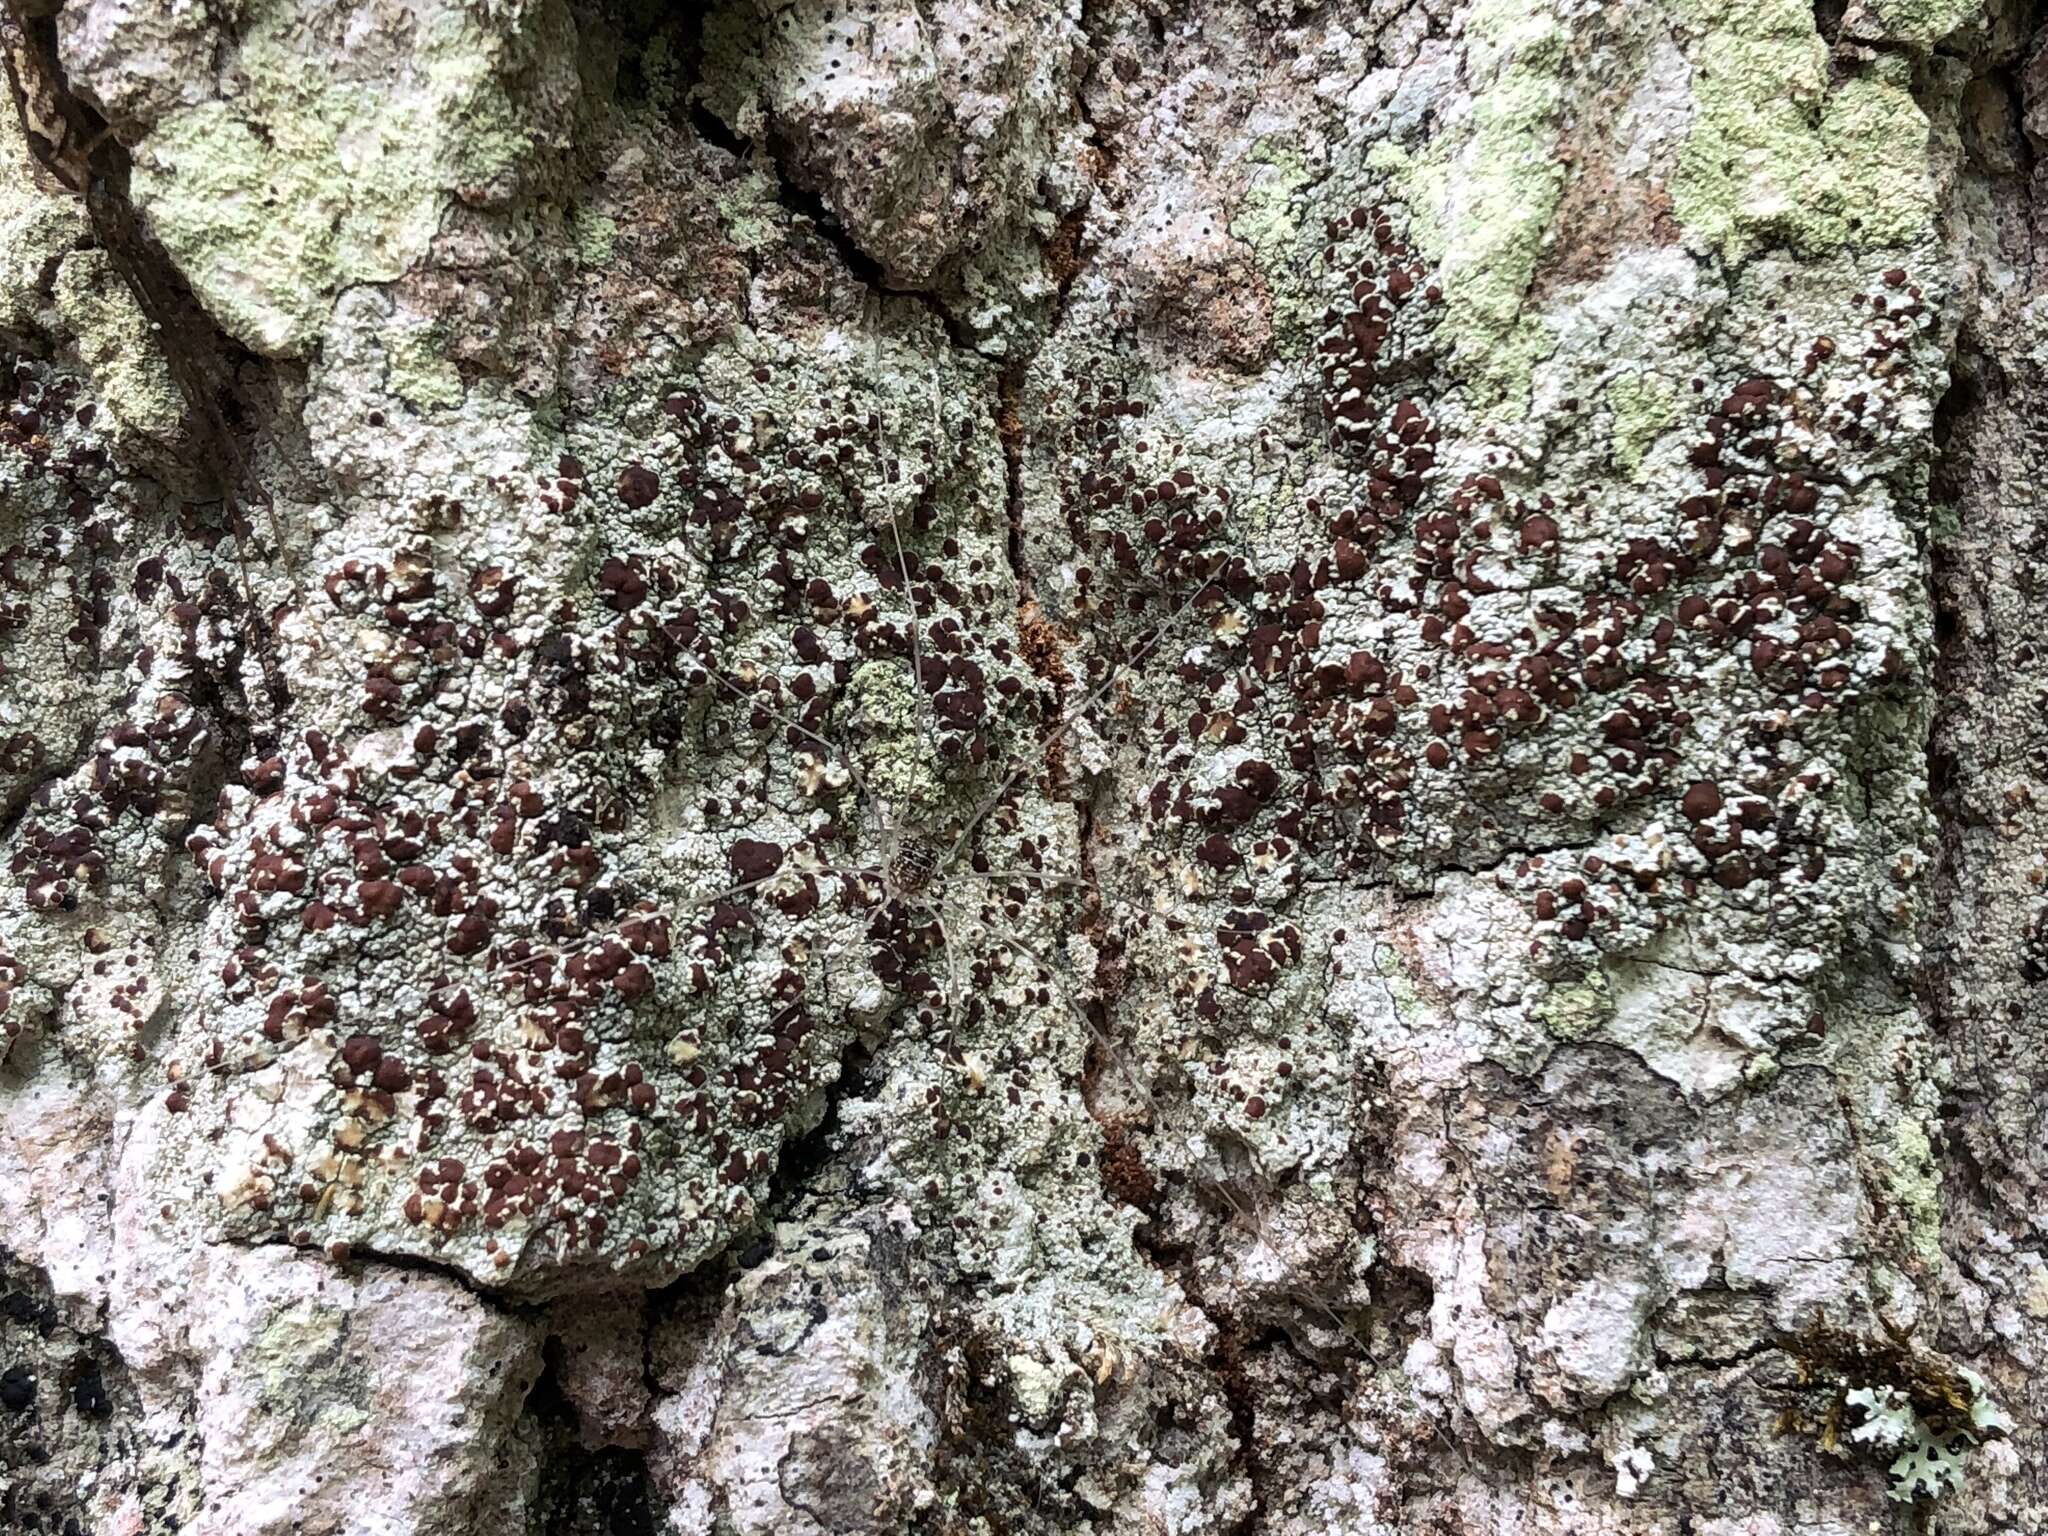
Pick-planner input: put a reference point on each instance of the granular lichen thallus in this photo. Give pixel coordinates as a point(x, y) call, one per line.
point(948, 869)
point(1194, 751)
point(772, 748)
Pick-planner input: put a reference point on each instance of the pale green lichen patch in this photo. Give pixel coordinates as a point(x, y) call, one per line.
point(1921, 23)
point(1913, 1181)
point(311, 178)
point(1645, 406)
point(118, 346)
point(1778, 156)
point(1269, 215)
point(1484, 197)
point(595, 237)
point(1269, 218)
point(1401, 988)
point(748, 211)
point(36, 229)
point(1932, 1458)
point(302, 1350)
point(1578, 1012)
point(420, 372)
point(895, 757)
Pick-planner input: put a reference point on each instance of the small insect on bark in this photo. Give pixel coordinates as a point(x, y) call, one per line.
point(916, 861)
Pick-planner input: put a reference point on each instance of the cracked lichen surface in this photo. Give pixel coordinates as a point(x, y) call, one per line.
point(978, 769)
point(1781, 153)
point(327, 160)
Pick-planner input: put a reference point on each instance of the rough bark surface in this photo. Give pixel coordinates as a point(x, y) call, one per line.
point(999, 766)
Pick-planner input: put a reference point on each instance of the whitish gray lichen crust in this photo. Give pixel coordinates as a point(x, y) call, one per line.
point(1020, 768)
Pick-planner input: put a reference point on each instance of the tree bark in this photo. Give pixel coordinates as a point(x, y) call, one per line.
point(1023, 768)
